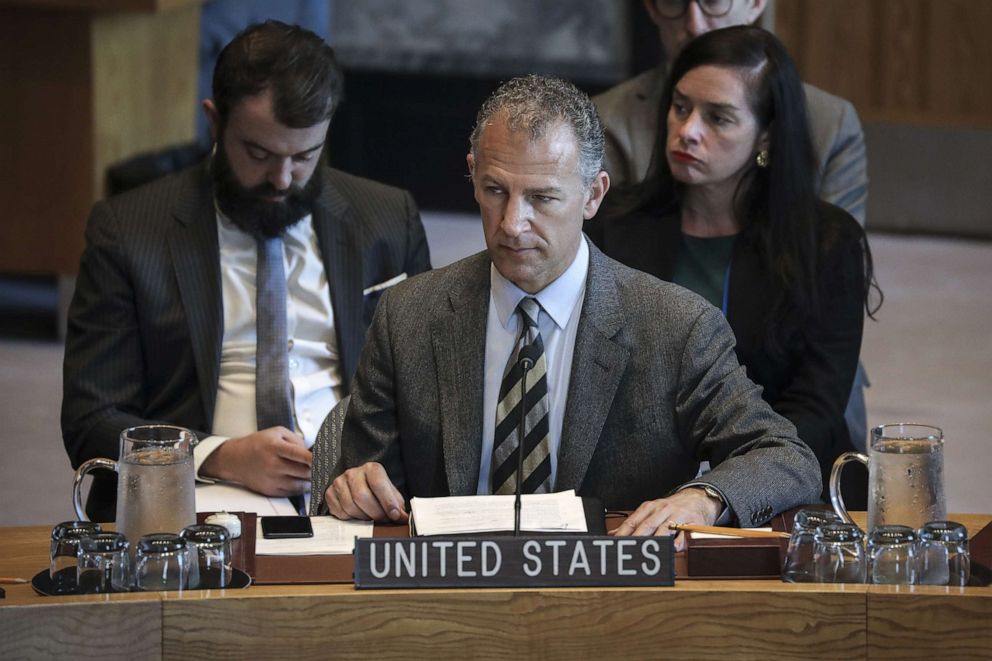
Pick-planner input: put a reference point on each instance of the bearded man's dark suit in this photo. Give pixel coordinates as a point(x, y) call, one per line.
point(654, 389)
point(146, 321)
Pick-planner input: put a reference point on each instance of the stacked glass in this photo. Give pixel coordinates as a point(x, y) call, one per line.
point(798, 565)
point(839, 554)
point(943, 557)
point(209, 556)
point(825, 550)
point(85, 559)
point(64, 552)
point(104, 563)
point(892, 555)
point(161, 562)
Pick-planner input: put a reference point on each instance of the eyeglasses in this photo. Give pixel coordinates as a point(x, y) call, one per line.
point(677, 8)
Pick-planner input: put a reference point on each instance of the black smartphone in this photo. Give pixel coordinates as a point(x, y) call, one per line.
point(283, 527)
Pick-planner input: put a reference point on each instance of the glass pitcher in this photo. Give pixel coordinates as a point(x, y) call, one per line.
point(155, 482)
point(905, 476)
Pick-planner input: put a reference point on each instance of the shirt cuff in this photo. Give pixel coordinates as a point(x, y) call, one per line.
point(726, 515)
point(203, 450)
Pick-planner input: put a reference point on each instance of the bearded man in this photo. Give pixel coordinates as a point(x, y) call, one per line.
point(233, 298)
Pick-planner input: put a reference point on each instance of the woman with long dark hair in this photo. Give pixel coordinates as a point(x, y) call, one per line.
point(728, 210)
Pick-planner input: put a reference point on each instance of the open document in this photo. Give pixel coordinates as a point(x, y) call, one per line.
point(454, 515)
point(330, 537)
point(227, 497)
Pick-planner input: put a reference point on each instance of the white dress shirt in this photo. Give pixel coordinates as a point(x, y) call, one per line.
point(314, 366)
point(561, 307)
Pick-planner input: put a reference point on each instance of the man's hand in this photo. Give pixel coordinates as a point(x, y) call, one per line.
point(692, 505)
point(365, 492)
point(273, 462)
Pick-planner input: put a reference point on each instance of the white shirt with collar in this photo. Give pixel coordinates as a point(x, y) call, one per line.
point(561, 307)
point(314, 365)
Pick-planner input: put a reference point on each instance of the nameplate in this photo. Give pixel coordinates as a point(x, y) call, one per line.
point(490, 562)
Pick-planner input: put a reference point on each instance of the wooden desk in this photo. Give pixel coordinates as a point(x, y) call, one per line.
point(695, 619)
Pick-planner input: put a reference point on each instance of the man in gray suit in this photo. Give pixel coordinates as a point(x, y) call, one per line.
point(630, 117)
point(162, 327)
point(640, 376)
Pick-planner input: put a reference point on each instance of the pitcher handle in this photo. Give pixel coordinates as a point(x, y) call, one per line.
point(836, 499)
point(77, 482)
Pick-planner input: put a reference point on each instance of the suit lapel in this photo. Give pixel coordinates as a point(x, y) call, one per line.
point(196, 259)
point(459, 352)
point(598, 364)
point(339, 239)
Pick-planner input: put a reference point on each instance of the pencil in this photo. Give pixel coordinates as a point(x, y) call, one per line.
point(730, 532)
point(11, 579)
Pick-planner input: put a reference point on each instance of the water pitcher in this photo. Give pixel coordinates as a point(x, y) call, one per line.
point(155, 490)
point(905, 476)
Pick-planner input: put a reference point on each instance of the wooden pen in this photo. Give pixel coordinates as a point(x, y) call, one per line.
point(729, 532)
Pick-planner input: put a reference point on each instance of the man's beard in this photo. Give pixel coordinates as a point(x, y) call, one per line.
point(247, 207)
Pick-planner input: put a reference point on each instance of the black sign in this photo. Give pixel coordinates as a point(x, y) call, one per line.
point(487, 562)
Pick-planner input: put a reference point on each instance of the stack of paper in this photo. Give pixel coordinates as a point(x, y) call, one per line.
point(455, 515)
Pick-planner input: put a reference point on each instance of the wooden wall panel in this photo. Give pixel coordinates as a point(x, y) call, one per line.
point(901, 49)
point(144, 84)
point(960, 69)
point(79, 91)
point(835, 45)
point(45, 115)
point(922, 62)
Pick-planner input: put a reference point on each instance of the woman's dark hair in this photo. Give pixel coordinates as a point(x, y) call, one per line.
point(776, 206)
point(295, 64)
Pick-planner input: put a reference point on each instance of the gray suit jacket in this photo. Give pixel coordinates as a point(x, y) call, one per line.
point(630, 118)
point(655, 389)
point(146, 321)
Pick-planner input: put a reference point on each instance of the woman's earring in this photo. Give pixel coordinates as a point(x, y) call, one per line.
point(762, 159)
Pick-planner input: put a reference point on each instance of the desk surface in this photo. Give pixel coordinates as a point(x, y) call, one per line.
point(697, 619)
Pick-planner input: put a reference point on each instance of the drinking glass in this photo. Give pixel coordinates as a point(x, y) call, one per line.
point(210, 556)
point(65, 551)
point(798, 564)
point(943, 557)
point(104, 564)
point(892, 555)
point(839, 553)
point(162, 562)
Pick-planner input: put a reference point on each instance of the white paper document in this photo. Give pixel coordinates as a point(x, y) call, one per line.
point(330, 537)
point(545, 512)
point(226, 497)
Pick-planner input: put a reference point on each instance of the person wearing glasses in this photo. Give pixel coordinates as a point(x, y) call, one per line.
point(629, 111)
point(630, 114)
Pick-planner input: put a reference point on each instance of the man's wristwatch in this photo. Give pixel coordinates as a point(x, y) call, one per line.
point(712, 492)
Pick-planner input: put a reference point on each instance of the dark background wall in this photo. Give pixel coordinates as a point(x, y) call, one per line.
point(409, 109)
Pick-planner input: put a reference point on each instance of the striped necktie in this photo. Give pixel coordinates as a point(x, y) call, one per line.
point(537, 456)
